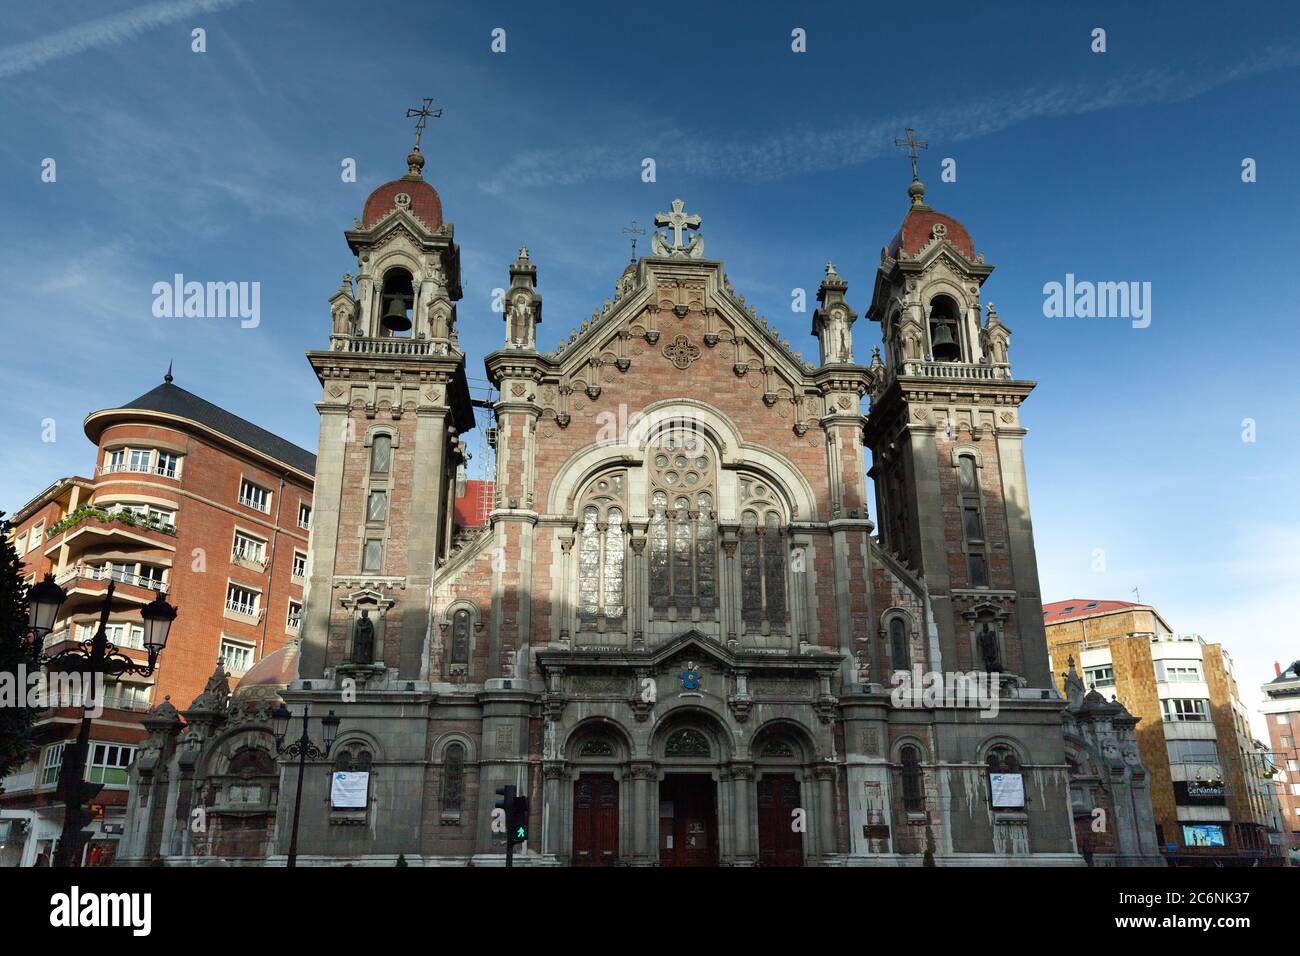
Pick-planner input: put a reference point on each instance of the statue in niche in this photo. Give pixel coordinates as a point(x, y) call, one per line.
point(988, 644)
point(363, 640)
point(432, 291)
point(841, 338)
point(344, 310)
point(520, 322)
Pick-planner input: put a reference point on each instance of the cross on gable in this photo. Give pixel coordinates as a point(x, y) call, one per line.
point(677, 220)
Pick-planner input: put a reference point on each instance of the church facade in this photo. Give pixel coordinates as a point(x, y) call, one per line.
point(678, 632)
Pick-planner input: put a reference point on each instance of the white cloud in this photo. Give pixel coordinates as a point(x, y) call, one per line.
point(818, 148)
point(103, 32)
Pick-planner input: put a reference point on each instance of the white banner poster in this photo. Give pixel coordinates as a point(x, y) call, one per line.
point(350, 790)
point(1008, 789)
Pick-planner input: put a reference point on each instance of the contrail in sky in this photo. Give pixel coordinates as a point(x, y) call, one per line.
point(106, 31)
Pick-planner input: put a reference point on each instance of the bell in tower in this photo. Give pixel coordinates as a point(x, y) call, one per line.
point(397, 297)
point(944, 343)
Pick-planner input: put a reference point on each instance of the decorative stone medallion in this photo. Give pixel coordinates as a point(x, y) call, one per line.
point(681, 352)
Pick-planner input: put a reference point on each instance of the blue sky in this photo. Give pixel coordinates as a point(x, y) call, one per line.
point(1118, 166)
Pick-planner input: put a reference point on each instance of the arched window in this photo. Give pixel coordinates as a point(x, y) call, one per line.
point(1006, 781)
point(601, 553)
point(453, 777)
point(460, 624)
point(683, 524)
point(972, 521)
point(945, 329)
point(909, 759)
point(762, 557)
point(381, 454)
point(395, 299)
point(898, 644)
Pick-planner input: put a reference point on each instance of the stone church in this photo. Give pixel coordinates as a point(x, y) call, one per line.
point(678, 631)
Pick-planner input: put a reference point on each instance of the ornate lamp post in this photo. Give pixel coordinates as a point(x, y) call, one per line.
point(302, 748)
point(93, 658)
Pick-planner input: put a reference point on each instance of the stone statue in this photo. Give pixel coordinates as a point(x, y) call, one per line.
point(520, 316)
point(988, 641)
point(363, 640)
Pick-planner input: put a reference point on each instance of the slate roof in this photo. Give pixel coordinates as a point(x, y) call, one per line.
point(171, 399)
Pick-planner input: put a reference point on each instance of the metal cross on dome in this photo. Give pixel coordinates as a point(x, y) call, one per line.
point(424, 111)
point(912, 144)
point(677, 220)
point(634, 232)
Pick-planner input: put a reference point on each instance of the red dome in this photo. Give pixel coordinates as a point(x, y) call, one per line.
point(424, 202)
point(917, 232)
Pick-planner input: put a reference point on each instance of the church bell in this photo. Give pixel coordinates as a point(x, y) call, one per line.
point(943, 346)
point(395, 319)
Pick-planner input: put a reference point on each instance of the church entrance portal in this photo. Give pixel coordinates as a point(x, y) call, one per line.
point(595, 820)
point(688, 820)
point(779, 844)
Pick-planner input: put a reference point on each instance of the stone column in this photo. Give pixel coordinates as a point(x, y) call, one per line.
point(728, 590)
point(742, 776)
point(634, 587)
point(825, 810)
point(565, 602)
point(552, 810)
point(642, 774)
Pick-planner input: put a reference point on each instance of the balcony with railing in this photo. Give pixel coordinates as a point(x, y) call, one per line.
point(249, 557)
point(125, 467)
point(85, 584)
point(247, 611)
point(94, 526)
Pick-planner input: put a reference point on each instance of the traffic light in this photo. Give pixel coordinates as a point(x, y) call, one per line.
point(519, 821)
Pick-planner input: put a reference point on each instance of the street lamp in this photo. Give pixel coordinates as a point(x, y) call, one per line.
point(93, 658)
point(302, 748)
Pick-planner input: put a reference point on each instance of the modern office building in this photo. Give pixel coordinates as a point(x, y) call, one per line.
point(1208, 789)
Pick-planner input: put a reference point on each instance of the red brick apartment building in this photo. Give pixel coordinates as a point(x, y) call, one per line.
point(189, 500)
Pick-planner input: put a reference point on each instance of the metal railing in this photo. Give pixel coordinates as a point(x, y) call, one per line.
point(249, 610)
point(102, 572)
point(125, 466)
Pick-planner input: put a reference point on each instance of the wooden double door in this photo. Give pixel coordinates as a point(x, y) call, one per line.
point(688, 820)
point(779, 844)
point(595, 820)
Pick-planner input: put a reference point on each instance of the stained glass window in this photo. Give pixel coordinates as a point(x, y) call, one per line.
point(377, 507)
point(683, 527)
point(614, 564)
point(601, 554)
point(898, 644)
point(706, 551)
point(460, 623)
point(751, 582)
point(660, 577)
point(913, 798)
point(762, 558)
point(453, 777)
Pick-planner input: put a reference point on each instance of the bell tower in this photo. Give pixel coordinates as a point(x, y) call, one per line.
point(946, 444)
point(394, 404)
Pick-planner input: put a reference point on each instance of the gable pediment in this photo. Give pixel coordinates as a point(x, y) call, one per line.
point(671, 310)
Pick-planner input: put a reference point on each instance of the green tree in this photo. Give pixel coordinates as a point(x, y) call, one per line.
point(15, 651)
